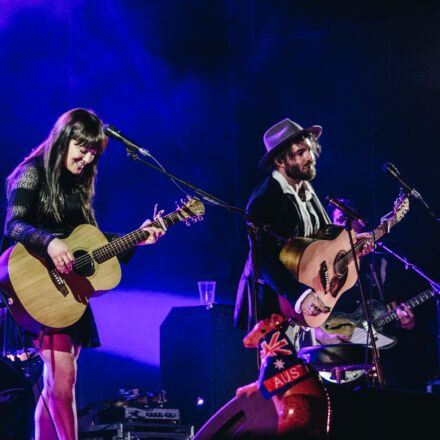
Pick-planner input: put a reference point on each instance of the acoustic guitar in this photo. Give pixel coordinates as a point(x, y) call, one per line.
point(327, 265)
point(41, 298)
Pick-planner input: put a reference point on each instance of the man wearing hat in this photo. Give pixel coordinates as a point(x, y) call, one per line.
point(284, 205)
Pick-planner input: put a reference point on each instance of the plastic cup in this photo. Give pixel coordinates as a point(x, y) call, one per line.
point(207, 293)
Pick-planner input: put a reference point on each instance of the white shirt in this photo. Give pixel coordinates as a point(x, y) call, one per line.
point(307, 211)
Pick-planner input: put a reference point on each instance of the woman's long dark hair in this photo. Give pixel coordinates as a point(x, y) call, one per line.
point(86, 129)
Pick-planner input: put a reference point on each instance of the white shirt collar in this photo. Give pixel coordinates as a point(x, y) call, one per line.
point(306, 209)
point(289, 189)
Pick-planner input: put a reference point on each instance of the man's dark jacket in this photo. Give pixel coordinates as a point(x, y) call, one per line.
point(269, 208)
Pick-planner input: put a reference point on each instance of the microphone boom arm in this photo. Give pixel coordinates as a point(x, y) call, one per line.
point(133, 148)
point(388, 166)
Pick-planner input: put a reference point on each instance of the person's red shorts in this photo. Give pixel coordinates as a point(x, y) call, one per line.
point(57, 342)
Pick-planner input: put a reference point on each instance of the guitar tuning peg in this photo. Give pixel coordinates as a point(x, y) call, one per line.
point(187, 223)
point(199, 218)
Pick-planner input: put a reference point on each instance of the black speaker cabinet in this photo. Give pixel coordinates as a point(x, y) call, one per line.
point(242, 417)
point(355, 415)
point(203, 361)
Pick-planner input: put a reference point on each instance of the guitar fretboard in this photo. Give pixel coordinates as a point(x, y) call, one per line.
point(377, 233)
point(383, 228)
point(130, 240)
point(413, 302)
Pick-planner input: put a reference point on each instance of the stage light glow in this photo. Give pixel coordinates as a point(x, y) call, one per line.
point(129, 321)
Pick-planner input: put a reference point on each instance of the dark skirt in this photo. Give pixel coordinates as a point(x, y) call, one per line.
point(15, 340)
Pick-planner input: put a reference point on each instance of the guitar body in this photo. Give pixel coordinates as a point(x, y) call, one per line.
point(327, 266)
point(321, 265)
point(354, 325)
point(41, 298)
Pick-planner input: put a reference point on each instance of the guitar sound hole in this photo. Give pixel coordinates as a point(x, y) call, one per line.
point(340, 268)
point(84, 264)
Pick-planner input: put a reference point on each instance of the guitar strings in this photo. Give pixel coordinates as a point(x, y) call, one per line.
point(109, 248)
point(117, 245)
point(349, 255)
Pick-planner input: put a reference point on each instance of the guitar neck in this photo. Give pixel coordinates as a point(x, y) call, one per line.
point(391, 219)
point(383, 228)
point(130, 240)
point(377, 233)
point(413, 302)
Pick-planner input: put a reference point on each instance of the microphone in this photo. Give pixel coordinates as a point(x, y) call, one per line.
point(388, 166)
point(347, 211)
point(113, 132)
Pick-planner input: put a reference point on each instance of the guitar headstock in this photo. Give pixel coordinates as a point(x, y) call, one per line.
point(401, 207)
point(192, 210)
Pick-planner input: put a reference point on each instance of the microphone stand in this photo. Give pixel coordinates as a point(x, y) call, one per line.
point(376, 355)
point(253, 236)
point(408, 265)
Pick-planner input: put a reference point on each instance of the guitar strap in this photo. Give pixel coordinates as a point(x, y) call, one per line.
point(311, 210)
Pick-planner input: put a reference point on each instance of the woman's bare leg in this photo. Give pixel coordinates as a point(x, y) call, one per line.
point(59, 394)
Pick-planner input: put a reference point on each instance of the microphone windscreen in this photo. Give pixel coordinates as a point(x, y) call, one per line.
point(385, 166)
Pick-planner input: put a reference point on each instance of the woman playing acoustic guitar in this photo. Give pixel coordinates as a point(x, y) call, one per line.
point(48, 194)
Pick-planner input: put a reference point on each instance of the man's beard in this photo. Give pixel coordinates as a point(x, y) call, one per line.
point(307, 173)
